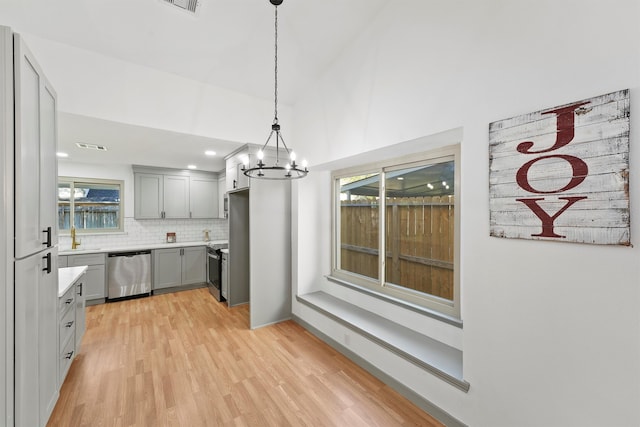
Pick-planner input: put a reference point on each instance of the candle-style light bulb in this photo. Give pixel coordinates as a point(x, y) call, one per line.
point(260, 155)
point(293, 156)
point(304, 163)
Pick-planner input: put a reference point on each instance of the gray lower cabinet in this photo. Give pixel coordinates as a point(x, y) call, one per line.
point(224, 275)
point(179, 267)
point(71, 325)
point(95, 289)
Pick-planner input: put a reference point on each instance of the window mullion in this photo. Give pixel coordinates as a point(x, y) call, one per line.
point(382, 251)
point(72, 204)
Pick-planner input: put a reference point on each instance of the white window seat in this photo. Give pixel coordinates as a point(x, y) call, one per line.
point(442, 360)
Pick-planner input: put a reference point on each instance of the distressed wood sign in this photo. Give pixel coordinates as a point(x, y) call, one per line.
point(562, 174)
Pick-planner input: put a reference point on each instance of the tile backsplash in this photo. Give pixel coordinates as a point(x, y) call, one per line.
point(152, 231)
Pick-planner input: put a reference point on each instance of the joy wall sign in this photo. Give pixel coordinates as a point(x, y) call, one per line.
point(562, 174)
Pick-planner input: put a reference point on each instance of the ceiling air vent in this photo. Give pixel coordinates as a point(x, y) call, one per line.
point(191, 6)
point(91, 146)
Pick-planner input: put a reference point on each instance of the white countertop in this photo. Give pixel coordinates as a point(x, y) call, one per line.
point(67, 276)
point(90, 250)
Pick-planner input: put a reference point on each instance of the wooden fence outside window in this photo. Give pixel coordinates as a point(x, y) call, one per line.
point(419, 242)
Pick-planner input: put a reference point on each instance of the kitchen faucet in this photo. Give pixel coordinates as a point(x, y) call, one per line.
point(74, 243)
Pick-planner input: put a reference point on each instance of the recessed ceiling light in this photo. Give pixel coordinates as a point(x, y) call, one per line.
point(61, 154)
point(192, 167)
point(210, 153)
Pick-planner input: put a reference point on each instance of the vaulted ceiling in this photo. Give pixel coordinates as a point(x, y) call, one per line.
point(229, 44)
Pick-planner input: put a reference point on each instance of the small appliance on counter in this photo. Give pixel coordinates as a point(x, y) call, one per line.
point(171, 237)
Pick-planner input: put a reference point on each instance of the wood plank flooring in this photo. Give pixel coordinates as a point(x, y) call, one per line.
point(183, 359)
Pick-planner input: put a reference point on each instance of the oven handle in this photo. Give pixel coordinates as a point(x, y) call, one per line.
point(213, 255)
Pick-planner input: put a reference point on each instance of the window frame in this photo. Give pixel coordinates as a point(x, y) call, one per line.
point(449, 308)
point(72, 181)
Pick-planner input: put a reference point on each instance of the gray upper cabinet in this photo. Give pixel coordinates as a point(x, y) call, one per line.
point(174, 194)
point(203, 198)
point(148, 198)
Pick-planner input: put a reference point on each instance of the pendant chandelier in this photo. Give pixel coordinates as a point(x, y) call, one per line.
point(276, 170)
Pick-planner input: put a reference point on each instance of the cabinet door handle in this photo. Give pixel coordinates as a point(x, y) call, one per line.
point(68, 355)
point(68, 324)
point(69, 301)
point(80, 286)
point(190, 215)
point(48, 259)
point(235, 183)
point(48, 241)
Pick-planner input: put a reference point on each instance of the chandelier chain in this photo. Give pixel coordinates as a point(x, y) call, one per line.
point(276, 171)
point(275, 112)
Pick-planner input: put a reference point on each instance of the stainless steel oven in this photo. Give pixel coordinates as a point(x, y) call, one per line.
point(214, 266)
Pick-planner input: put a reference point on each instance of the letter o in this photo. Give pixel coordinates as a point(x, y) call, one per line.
point(579, 167)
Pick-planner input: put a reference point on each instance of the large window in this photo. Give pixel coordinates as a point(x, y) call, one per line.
point(408, 207)
point(91, 205)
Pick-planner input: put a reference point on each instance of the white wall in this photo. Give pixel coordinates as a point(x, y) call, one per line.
point(116, 172)
point(551, 330)
point(95, 85)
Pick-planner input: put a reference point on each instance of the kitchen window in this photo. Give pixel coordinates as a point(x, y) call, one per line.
point(91, 205)
point(408, 207)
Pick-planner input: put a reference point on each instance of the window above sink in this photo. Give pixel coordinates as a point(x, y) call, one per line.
point(91, 205)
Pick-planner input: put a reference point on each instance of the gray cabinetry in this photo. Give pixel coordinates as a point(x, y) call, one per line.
point(203, 197)
point(194, 265)
point(167, 268)
point(148, 199)
point(224, 275)
point(81, 315)
point(95, 289)
point(174, 194)
point(29, 140)
point(35, 155)
point(71, 326)
point(66, 334)
point(36, 344)
point(179, 267)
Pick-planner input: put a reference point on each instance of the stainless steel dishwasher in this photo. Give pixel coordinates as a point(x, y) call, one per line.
point(128, 274)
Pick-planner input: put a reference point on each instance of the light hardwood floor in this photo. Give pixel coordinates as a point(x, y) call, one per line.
point(183, 359)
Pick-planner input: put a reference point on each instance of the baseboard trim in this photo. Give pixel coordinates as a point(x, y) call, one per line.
point(424, 404)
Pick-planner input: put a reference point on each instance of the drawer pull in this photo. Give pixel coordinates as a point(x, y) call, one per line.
point(68, 324)
point(68, 355)
point(69, 301)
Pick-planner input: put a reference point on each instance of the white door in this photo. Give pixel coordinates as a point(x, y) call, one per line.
point(35, 147)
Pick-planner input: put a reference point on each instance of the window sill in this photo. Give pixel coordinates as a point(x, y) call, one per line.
point(441, 360)
point(404, 304)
